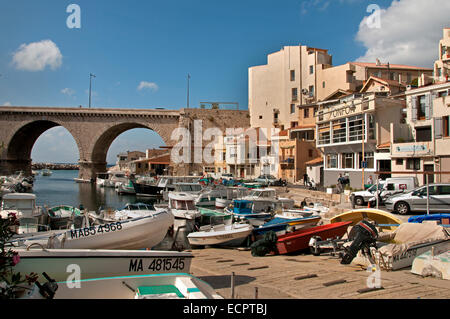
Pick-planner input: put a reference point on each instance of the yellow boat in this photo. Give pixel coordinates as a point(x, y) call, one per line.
point(380, 217)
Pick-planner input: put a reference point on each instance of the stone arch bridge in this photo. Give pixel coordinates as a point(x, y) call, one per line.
point(94, 130)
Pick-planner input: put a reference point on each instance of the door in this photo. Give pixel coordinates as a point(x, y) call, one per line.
point(384, 166)
point(428, 168)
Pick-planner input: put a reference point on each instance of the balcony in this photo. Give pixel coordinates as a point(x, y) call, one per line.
point(404, 144)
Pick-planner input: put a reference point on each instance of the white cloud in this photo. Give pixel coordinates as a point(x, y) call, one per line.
point(148, 85)
point(68, 91)
point(7, 104)
point(409, 34)
point(36, 56)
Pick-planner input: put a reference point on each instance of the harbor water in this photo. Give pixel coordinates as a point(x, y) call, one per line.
point(61, 189)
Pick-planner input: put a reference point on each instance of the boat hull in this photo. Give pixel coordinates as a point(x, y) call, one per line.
point(101, 263)
point(147, 190)
point(299, 240)
point(226, 237)
point(138, 233)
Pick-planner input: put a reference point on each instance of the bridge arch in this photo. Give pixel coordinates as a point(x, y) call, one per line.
point(19, 145)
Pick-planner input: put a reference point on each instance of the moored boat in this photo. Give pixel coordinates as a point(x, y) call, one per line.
point(101, 263)
point(182, 206)
point(137, 233)
point(60, 216)
point(299, 240)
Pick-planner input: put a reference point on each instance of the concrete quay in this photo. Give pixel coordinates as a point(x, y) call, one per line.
point(305, 277)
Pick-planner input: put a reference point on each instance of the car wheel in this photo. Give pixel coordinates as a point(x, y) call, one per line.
point(402, 208)
point(359, 201)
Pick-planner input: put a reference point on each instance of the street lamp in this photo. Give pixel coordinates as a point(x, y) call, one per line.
point(90, 87)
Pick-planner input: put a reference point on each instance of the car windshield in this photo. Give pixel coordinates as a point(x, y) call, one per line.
point(373, 188)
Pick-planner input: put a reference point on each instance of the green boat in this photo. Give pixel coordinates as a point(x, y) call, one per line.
point(210, 216)
point(60, 216)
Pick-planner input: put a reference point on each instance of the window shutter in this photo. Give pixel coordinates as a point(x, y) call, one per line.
point(428, 110)
point(438, 127)
point(414, 108)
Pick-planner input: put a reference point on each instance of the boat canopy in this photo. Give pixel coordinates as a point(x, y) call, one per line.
point(138, 206)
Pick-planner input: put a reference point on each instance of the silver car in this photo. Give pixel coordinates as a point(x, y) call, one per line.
point(416, 200)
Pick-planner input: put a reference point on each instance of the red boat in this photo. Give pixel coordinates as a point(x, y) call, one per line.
point(299, 239)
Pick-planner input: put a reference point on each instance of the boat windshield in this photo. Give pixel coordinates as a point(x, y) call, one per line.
point(190, 188)
point(262, 193)
point(244, 205)
point(183, 204)
point(139, 207)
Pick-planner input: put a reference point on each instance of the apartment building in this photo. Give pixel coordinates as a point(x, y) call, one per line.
point(442, 65)
point(350, 132)
point(421, 141)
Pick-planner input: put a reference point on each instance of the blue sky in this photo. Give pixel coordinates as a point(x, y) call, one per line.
point(157, 43)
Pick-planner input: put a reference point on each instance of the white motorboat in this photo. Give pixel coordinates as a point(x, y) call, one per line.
point(208, 196)
point(126, 188)
point(137, 233)
point(110, 179)
point(157, 286)
point(100, 263)
point(270, 194)
point(182, 205)
point(46, 172)
point(60, 216)
point(232, 193)
point(296, 213)
point(23, 205)
point(227, 235)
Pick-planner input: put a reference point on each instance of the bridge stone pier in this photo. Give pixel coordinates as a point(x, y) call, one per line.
point(94, 130)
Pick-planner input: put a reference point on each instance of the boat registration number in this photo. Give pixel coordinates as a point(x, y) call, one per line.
point(157, 264)
point(93, 230)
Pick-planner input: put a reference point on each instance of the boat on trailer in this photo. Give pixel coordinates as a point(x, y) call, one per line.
point(299, 240)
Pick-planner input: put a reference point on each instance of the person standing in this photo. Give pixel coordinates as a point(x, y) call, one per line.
point(305, 179)
point(370, 180)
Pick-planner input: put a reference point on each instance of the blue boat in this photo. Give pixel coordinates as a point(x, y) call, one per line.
point(245, 210)
point(279, 224)
point(442, 219)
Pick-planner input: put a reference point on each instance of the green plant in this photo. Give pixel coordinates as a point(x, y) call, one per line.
point(9, 280)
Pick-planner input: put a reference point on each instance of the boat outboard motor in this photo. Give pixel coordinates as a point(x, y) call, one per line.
point(363, 235)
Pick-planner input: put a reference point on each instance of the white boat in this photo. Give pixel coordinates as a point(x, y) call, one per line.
point(110, 179)
point(399, 248)
point(126, 188)
point(46, 172)
point(270, 194)
point(137, 233)
point(296, 213)
point(60, 216)
point(208, 196)
point(158, 286)
point(232, 193)
point(23, 205)
point(166, 184)
point(228, 235)
point(100, 263)
point(182, 205)
point(102, 180)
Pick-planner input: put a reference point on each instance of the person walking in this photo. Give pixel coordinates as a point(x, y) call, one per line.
point(340, 183)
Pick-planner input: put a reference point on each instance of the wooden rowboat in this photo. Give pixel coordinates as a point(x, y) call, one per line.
point(299, 239)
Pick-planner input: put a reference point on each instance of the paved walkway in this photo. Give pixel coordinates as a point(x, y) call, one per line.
point(305, 276)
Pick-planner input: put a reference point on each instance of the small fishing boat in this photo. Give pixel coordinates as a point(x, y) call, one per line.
point(270, 194)
point(256, 211)
point(207, 198)
point(441, 219)
point(387, 221)
point(129, 211)
point(146, 189)
point(137, 233)
point(296, 213)
point(157, 286)
point(100, 263)
point(46, 172)
point(299, 240)
point(208, 214)
point(182, 206)
point(225, 235)
point(283, 225)
point(23, 206)
point(397, 249)
point(232, 193)
point(126, 188)
point(60, 216)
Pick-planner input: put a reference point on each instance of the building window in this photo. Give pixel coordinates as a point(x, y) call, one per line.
point(348, 160)
point(294, 124)
point(443, 93)
point(421, 108)
point(445, 126)
point(310, 153)
point(413, 163)
point(294, 94)
point(355, 125)
point(323, 84)
point(306, 113)
point(324, 133)
point(292, 75)
point(311, 69)
point(423, 134)
point(332, 161)
point(408, 78)
point(292, 108)
point(399, 161)
point(368, 158)
point(340, 131)
point(260, 117)
point(311, 91)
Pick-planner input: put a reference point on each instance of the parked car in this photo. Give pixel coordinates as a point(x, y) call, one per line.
point(416, 200)
point(362, 198)
point(266, 179)
point(393, 186)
